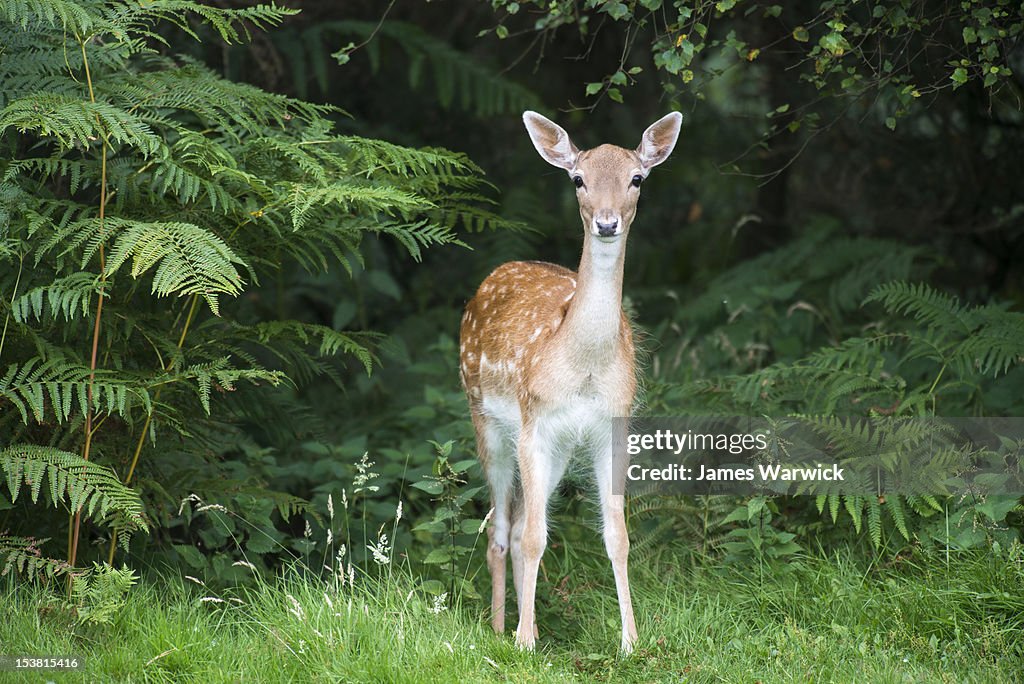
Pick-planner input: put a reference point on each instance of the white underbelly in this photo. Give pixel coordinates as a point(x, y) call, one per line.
point(582, 420)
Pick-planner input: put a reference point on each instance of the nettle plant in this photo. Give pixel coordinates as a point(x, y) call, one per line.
point(141, 196)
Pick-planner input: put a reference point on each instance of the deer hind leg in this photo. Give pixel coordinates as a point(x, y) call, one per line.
point(616, 539)
point(495, 452)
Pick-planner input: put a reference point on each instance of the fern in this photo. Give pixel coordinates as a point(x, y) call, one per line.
point(985, 340)
point(24, 555)
point(188, 259)
point(905, 462)
point(874, 507)
point(76, 123)
point(330, 342)
point(98, 594)
point(930, 354)
point(69, 296)
point(924, 304)
point(222, 375)
point(210, 188)
point(77, 17)
point(85, 486)
point(56, 387)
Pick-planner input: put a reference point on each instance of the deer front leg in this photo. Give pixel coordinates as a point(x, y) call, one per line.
point(535, 474)
point(616, 540)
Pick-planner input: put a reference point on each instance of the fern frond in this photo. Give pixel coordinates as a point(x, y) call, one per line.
point(855, 508)
point(875, 521)
point(70, 296)
point(331, 342)
point(54, 386)
point(188, 259)
point(352, 198)
point(72, 16)
point(924, 304)
point(77, 122)
point(995, 344)
point(24, 555)
point(372, 156)
point(99, 592)
point(222, 375)
point(188, 86)
point(414, 236)
point(45, 168)
point(229, 23)
point(897, 514)
point(85, 486)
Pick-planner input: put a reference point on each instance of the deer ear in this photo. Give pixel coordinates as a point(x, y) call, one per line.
point(551, 141)
point(659, 140)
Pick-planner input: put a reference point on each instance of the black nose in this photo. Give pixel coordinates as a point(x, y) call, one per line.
point(607, 229)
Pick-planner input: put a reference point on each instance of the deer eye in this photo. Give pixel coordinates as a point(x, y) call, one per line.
point(637, 180)
point(577, 181)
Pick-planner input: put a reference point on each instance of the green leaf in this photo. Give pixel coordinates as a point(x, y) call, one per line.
point(736, 515)
point(437, 556)
point(616, 10)
point(191, 556)
point(996, 508)
point(471, 526)
point(800, 34)
point(463, 466)
point(431, 526)
point(835, 43)
point(429, 486)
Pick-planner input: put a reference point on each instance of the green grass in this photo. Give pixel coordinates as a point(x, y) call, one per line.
point(826, 619)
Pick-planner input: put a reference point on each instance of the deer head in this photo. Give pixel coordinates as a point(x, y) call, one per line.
point(607, 178)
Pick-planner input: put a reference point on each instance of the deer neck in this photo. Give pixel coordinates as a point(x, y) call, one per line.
point(592, 325)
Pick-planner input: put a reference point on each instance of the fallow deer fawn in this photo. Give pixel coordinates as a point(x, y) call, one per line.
point(547, 361)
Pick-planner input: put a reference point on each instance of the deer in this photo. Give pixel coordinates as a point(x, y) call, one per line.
point(547, 360)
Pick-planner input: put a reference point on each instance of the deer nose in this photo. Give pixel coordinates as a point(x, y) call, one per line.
point(607, 229)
